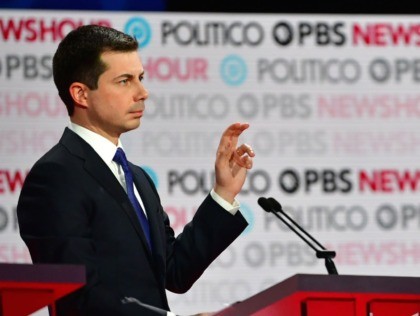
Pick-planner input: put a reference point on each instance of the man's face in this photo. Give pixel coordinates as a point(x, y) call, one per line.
point(117, 105)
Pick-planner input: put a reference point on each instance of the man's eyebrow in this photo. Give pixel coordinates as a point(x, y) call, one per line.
point(128, 76)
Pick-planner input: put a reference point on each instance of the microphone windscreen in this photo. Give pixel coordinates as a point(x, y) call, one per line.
point(263, 202)
point(274, 204)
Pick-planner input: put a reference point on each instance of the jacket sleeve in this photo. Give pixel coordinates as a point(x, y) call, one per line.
point(210, 232)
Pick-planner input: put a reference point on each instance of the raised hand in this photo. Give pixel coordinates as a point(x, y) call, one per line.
point(232, 162)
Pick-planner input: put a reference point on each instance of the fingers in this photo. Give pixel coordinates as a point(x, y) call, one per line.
point(229, 154)
point(245, 149)
point(230, 136)
point(243, 156)
point(236, 128)
point(232, 133)
point(232, 162)
point(229, 140)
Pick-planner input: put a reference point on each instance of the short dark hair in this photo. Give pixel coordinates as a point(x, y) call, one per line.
point(78, 57)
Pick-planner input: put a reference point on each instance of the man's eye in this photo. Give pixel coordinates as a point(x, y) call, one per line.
point(123, 82)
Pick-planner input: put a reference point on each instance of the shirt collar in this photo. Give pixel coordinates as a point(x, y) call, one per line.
point(103, 147)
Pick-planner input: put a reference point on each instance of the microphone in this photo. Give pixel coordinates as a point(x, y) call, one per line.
point(271, 205)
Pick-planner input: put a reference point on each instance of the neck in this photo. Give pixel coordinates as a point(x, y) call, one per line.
point(93, 128)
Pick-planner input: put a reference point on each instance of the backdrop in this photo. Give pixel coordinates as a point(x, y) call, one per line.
point(333, 105)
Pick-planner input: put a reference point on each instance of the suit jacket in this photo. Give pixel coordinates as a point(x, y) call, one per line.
point(73, 210)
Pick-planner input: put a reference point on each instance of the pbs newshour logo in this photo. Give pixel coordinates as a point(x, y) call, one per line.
point(139, 28)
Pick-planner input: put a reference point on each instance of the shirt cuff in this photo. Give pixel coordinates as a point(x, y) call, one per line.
point(231, 208)
point(170, 314)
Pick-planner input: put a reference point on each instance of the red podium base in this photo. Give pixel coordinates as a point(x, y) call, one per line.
point(334, 295)
point(26, 288)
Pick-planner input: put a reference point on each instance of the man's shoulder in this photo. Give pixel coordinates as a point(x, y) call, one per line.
point(50, 162)
point(62, 148)
point(55, 153)
point(59, 154)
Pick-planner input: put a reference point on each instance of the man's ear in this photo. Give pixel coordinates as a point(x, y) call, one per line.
point(79, 93)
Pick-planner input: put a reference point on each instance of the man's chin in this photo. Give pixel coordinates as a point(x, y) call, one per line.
point(133, 125)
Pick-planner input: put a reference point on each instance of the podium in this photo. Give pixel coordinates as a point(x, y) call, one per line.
point(334, 295)
point(26, 288)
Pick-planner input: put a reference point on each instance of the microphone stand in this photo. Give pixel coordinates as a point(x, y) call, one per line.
point(271, 205)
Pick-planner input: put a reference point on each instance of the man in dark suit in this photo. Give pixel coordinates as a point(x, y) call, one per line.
point(83, 203)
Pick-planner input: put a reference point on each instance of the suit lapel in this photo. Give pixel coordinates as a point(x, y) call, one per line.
point(97, 168)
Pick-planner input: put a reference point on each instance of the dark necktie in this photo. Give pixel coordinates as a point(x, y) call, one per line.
point(121, 159)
